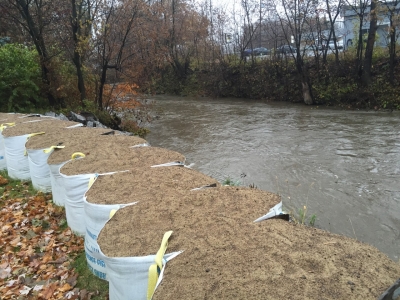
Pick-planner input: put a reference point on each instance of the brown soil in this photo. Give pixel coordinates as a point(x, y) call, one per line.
point(273, 259)
point(145, 184)
point(40, 126)
point(93, 146)
point(227, 256)
point(112, 156)
point(61, 136)
point(138, 229)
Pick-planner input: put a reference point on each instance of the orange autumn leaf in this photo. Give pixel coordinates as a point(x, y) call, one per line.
point(65, 287)
point(48, 291)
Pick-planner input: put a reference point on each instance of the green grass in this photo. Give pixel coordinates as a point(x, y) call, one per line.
point(15, 188)
point(88, 281)
point(229, 181)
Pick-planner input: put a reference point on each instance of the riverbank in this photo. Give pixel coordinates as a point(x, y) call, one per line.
point(333, 84)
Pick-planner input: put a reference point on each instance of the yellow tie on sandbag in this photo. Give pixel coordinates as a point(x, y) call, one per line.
point(36, 133)
point(155, 269)
point(48, 150)
point(77, 154)
point(5, 125)
point(92, 180)
point(31, 135)
point(112, 213)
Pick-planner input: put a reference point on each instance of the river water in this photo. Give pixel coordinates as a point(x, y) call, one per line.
point(344, 166)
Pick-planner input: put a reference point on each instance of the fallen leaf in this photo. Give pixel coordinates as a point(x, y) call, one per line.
point(25, 290)
point(65, 287)
point(4, 273)
point(48, 291)
point(15, 241)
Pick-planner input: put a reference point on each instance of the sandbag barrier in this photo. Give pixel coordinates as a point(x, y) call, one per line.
point(143, 272)
point(15, 138)
point(40, 148)
point(103, 197)
point(148, 220)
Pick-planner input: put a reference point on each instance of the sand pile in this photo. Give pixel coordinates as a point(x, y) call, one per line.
point(10, 117)
point(227, 256)
point(113, 157)
point(179, 212)
point(145, 184)
point(37, 125)
point(94, 146)
point(63, 136)
point(273, 259)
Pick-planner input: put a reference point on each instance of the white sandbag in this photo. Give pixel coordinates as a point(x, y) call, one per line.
point(3, 161)
point(135, 278)
point(75, 188)
point(96, 216)
point(17, 160)
point(39, 169)
point(57, 185)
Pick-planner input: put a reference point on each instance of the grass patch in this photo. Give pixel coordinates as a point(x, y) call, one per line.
point(229, 181)
point(88, 281)
point(14, 188)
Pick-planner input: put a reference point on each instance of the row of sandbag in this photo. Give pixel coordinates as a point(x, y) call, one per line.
point(69, 178)
point(214, 227)
point(38, 149)
point(214, 246)
point(215, 230)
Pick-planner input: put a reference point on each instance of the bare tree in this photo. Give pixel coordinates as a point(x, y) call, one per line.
point(359, 7)
point(393, 16)
point(373, 26)
point(293, 22)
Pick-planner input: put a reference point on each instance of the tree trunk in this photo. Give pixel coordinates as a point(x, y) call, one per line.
point(305, 80)
point(359, 47)
point(35, 31)
point(76, 21)
point(366, 77)
point(392, 49)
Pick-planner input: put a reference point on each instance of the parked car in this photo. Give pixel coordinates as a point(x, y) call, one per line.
point(339, 45)
point(331, 45)
point(247, 52)
point(285, 49)
point(261, 51)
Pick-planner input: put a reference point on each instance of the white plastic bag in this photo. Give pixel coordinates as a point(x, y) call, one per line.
point(274, 211)
point(75, 189)
point(135, 278)
point(57, 185)
point(96, 216)
point(39, 169)
point(3, 161)
point(17, 159)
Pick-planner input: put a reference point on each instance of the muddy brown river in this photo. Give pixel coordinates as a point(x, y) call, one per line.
point(344, 166)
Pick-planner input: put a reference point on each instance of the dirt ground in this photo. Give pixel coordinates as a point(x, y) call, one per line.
point(110, 155)
point(227, 256)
